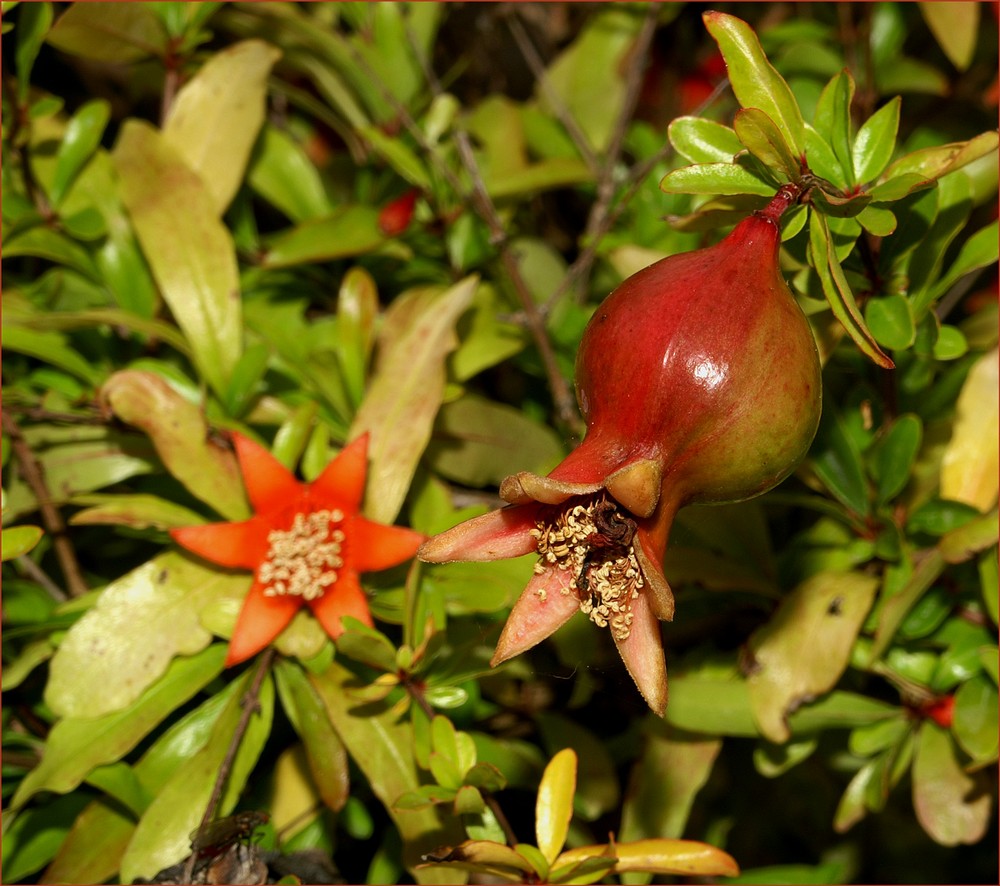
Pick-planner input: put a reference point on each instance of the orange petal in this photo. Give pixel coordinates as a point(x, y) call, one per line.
point(539, 612)
point(236, 545)
point(344, 597)
point(343, 480)
point(260, 621)
point(642, 652)
point(374, 546)
point(494, 536)
point(268, 482)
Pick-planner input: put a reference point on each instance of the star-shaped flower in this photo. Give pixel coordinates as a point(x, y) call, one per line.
point(600, 530)
point(306, 544)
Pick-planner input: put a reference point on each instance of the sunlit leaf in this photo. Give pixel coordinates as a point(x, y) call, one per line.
point(349, 230)
point(554, 805)
point(715, 178)
point(215, 117)
point(19, 540)
point(699, 140)
point(875, 142)
point(802, 651)
point(955, 26)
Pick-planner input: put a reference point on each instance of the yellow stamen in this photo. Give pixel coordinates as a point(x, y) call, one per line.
point(303, 561)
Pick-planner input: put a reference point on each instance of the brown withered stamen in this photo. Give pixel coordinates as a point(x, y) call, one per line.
point(592, 540)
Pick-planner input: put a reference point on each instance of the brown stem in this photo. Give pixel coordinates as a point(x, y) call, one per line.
point(31, 470)
point(558, 106)
point(250, 704)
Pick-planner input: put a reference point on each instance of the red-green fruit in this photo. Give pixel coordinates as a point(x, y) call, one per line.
point(705, 364)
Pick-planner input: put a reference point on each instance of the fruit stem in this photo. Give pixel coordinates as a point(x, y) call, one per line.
point(787, 196)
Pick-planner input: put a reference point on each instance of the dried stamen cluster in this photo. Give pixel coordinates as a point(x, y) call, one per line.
point(592, 541)
point(303, 560)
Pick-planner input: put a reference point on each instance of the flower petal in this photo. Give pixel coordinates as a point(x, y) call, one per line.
point(344, 597)
point(236, 545)
point(493, 536)
point(260, 621)
point(539, 612)
point(268, 482)
point(343, 480)
point(374, 546)
point(657, 590)
point(642, 652)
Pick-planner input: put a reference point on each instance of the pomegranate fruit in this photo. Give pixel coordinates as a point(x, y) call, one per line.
point(699, 381)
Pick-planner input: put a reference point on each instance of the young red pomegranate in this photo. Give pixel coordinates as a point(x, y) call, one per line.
point(699, 381)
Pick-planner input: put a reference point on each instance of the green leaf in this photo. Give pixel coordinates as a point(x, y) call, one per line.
point(892, 456)
point(19, 540)
point(382, 747)
point(896, 188)
point(925, 572)
point(357, 311)
point(162, 836)
point(43, 242)
point(325, 752)
point(109, 32)
point(754, 79)
point(34, 837)
point(214, 119)
point(955, 27)
point(398, 155)
point(282, 173)
point(478, 442)
point(837, 461)
point(715, 178)
point(350, 230)
point(979, 251)
point(833, 120)
point(710, 704)
point(838, 292)
point(764, 140)
point(106, 662)
point(597, 788)
point(189, 250)
point(119, 782)
point(952, 806)
point(33, 23)
point(554, 805)
point(890, 319)
point(367, 645)
point(975, 717)
point(699, 140)
point(666, 777)
point(179, 432)
point(138, 511)
point(76, 746)
point(406, 390)
point(805, 647)
point(82, 138)
point(876, 220)
point(935, 162)
point(875, 142)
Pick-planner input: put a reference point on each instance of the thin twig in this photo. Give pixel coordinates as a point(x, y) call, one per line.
point(38, 575)
point(31, 470)
point(250, 704)
point(494, 807)
point(555, 101)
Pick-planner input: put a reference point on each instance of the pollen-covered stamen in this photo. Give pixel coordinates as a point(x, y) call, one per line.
point(592, 541)
point(303, 561)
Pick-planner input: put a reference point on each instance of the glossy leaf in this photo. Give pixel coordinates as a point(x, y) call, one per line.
point(876, 220)
point(890, 319)
point(215, 117)
point(838, 291)
point(554, 804)
point(875, 142)
point(715, 178)
point(833, 120)
point(805, 647)
point(755, 82)
point(189, 250)
point(406, 390)
point(180, 434)
point(764, 140)
point(106, 662)
point(953, 806)
point(76, 746)
point(699, 140)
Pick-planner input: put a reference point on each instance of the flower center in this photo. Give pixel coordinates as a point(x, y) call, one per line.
point(303, 561)
point(592, 541)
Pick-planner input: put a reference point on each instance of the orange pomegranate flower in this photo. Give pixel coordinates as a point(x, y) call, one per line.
point(306, 544)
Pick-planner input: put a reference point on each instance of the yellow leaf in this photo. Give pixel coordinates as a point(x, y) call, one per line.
point(215, 119)
point(554, 806)
point(295, 800)
point(971, 462)
point(659, 856)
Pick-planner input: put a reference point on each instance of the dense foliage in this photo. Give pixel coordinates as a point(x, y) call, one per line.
point(307, 223)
